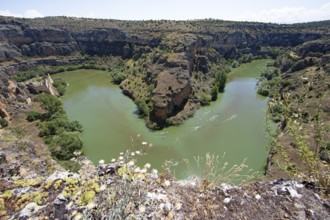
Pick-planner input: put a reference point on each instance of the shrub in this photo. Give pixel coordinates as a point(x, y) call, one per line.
point(205, 99)
point(3, 123)
point(269, 73)
point(142, 106)
point(64, 145)
point(263, 91)
point(221, 79)
point(60, 85)
point(215, 91)
point(32, 116)
point(246, 58)
point(62, 135)
point(74, 126)
point(117, 76)
point(51, 104)
point(235, 64)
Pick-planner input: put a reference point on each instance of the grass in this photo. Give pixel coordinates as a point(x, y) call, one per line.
point(212, 170)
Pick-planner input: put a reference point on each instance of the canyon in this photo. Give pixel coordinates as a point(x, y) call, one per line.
point(169, 69)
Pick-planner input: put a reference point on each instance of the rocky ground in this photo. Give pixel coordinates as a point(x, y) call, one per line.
point(31, 189)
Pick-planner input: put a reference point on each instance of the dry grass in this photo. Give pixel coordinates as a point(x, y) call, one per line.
point(212, 170)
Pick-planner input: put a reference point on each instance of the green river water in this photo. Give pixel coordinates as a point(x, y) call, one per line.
point(234, 124)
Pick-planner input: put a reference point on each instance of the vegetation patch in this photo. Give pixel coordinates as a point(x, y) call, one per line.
point(62, 135)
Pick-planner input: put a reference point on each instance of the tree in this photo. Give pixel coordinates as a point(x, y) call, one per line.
point(60, 85)
point(3, 123)
point(65, 144)
point(50, 104)
point(117, 76)
point(32, 116)
point(205, 99)
point(142, 106)
point(215, 91)
point(221, 79)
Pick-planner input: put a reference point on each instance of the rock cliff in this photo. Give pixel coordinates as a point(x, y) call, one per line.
point(170, 52)
point(168, 66)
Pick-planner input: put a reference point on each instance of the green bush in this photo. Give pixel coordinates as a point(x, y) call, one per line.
point(263, 91)
point(215, 91)
point(60, 85)
point(205, 99)
point(142, 106)
point(3, 123)
point(221, 79)
point(269, 73)
point(117, 76)
point(51, 104)
point(32, 116)
point(246, 58)
point(269, 81)
point(235, 64)
point(62, 135)
point(64, 145)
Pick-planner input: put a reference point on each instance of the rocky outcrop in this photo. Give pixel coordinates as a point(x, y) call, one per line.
point(45, 86)
point(170, 95)
point(122, 189)
point(13, 96)
point(3, 113)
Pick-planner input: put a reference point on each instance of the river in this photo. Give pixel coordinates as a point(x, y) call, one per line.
point(234, 124)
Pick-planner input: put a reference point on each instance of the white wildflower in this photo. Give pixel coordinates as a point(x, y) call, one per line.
point(131, 163)
point(137, 152)
point(142, 208)
point(178, 206)
point(167, 183)
point(143, 170)
point(227, 200)
point(78, 216)
point(147, 166)
point(125, 176)
point(144, 143)
point(101, 162)
point(121, 158)
point(113, 160)
point(103, 187)
point(154, 174)
point(91, 205)
point(150, 145)
point(132, 154)
point(154, 171)
point(121, 153)
point(137, 170)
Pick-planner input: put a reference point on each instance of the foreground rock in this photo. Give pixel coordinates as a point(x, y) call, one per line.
point(123, 190)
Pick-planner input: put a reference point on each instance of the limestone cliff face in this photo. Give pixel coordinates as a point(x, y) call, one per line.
point(110, 42)
point(45, 86)
point(170, 95)
point(181, 52)
point(234, 44)
point(12, 96)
